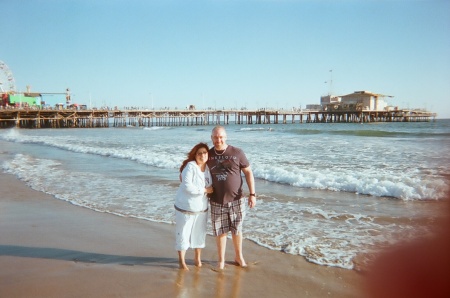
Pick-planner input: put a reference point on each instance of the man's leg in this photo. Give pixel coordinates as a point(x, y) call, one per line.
point(239, 257)
point(221, 242)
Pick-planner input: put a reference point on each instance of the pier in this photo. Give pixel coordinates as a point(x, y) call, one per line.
point(73, 118)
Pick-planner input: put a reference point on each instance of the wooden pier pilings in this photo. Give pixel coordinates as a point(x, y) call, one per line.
point(68, 118)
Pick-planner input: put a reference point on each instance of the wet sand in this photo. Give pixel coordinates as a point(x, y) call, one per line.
point(50, 248)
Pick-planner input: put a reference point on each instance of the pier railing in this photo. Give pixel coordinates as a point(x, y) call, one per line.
point(67, 118)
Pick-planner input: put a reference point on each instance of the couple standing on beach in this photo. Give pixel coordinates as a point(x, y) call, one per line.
point(213, 173)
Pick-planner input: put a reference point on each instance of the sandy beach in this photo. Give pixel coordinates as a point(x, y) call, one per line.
point(50, 248)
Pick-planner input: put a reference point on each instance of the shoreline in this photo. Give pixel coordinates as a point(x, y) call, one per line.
point(51, 248)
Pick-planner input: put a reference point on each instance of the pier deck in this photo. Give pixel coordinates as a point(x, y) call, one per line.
point(67, 118)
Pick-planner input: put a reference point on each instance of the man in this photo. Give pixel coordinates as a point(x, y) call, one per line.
point(227, 203)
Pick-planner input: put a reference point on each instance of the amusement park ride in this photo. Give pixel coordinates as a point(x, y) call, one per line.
point(7, 82)
point(9, 97)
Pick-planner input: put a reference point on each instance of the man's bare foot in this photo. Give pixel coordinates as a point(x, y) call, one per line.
point(184, 267)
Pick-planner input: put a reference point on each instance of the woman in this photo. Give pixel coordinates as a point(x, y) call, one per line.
point(191, 204)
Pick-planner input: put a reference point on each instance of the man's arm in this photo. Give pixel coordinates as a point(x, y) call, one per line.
point(251, 186)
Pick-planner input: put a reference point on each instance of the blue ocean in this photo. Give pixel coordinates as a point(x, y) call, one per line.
point(332, 193)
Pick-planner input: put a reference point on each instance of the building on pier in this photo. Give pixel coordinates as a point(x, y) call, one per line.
point(370, 101)
point(366, 100)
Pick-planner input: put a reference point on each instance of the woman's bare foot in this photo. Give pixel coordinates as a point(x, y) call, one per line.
point(181, 260)
point(198, 263)
point(198, 257)
point(221, 265)
point(240, 263)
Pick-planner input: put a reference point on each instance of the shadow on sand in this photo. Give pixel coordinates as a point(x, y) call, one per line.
point(83, 257)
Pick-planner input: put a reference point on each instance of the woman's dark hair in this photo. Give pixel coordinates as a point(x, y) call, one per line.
point(192, 153)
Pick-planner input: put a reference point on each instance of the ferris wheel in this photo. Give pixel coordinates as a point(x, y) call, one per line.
point(7, 82)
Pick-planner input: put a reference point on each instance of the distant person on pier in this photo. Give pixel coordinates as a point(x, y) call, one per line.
point(228, 206)
point(191, 204)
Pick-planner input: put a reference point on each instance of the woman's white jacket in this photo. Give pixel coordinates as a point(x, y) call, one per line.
point(191, 192)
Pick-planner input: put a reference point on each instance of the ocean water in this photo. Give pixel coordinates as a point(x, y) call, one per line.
point(332, 193)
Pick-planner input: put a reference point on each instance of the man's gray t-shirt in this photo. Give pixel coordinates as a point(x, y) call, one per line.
point(225, 167)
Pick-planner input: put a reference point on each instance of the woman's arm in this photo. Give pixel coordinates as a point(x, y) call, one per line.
point(189, 183)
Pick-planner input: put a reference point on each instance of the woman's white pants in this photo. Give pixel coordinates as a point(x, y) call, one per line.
point(190, 230)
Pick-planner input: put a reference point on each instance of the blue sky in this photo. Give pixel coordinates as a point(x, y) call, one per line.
point(213, 53)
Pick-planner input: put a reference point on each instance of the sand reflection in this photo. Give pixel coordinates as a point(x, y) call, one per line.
point(220, 284)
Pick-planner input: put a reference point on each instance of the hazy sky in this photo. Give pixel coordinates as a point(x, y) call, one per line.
point(217, 53)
